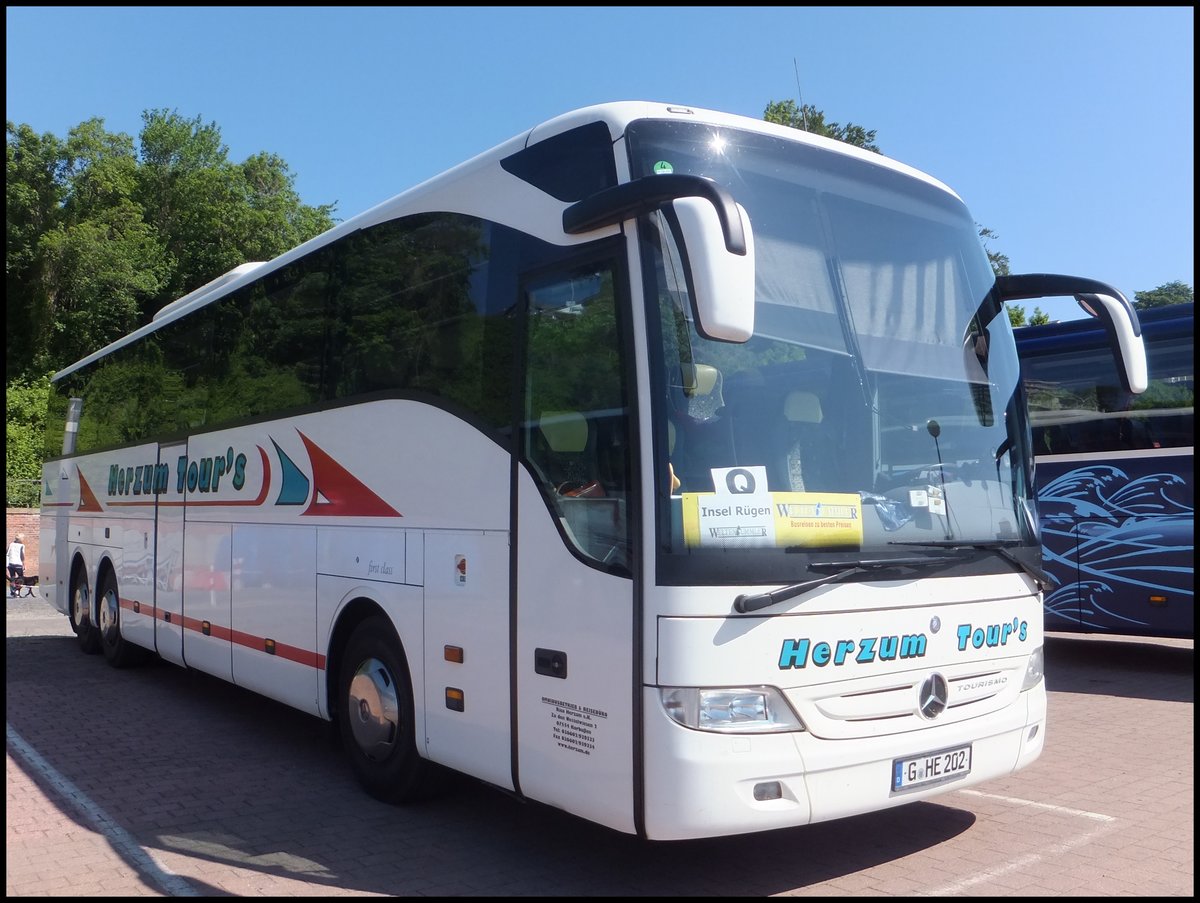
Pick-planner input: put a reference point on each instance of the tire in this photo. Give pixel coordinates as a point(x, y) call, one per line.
point(119, 652)
point(375, 717)
point(80, 614)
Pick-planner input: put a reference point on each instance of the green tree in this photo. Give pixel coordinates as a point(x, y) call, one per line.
point(212, 214)
point(25, 420)
point(102, 231)
point(998, 261)
point(33, 191)
point(1166, 294)
point(102, 259)
point(809, 119)
point(1016, 316)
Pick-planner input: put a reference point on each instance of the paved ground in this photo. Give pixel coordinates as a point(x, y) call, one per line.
point(157, 782)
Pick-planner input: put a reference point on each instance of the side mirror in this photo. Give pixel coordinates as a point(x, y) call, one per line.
point(715, 240)
point(1126, 335)
point(1099, 300)
point(722, 281)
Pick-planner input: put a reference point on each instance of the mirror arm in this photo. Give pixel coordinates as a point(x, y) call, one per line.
point(622, 202)
point(1047, 285)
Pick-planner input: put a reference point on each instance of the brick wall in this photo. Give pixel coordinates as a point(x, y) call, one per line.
point(27, 522)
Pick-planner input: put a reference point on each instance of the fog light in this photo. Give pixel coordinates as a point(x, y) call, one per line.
point(768, 790)
point(1033, 732)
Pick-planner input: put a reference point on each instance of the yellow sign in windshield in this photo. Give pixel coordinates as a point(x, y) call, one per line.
point(819, 519)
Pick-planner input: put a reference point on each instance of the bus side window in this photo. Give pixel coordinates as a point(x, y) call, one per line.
point(1053, 440)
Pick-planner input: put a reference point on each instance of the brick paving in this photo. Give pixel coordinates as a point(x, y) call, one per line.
point(157, 782)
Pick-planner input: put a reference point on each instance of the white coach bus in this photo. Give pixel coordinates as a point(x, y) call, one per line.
point(667, 467)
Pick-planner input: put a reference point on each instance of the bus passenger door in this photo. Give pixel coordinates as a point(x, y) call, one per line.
point(573, 605)
point(168, 560)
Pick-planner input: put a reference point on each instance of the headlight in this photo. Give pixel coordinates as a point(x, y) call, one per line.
point(732, 710)
point(1035, 671)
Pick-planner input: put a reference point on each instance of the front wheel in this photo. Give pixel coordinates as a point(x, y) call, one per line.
point(375, 717)
point(81, 615)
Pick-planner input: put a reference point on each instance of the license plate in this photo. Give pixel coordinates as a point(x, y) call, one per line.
point(930, 768)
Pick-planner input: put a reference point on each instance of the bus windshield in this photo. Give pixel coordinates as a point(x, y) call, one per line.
point(878, 405)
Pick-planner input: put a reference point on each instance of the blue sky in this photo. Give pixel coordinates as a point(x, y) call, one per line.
point(1067, 130)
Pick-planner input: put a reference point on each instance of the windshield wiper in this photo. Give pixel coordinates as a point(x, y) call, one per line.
point(1002, 547)
point(754, 601)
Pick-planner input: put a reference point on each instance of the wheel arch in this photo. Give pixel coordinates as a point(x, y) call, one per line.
point(104, 569)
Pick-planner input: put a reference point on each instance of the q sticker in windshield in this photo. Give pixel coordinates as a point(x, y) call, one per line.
point(740, 514)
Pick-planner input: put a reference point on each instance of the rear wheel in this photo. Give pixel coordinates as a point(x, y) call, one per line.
point(375, 717)
point(81, 618)
point(119, 652)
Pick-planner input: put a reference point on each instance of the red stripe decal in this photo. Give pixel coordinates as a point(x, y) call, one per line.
point(250, 641)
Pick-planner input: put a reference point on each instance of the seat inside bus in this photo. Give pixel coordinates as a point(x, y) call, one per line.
point(564, 454)
point(799, 456)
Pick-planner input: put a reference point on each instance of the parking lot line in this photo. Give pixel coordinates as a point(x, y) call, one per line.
point(1107, 823)
point(1017, 801)
point(122, 842)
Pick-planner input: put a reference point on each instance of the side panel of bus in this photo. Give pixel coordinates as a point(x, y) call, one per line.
point(1118, 535)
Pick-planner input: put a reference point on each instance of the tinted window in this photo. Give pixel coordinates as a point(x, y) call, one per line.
point(411, 307)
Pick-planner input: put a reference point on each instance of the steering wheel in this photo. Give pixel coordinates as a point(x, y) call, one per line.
point(590, 489)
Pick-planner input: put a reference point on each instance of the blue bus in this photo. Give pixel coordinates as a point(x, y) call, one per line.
point(1114, 476)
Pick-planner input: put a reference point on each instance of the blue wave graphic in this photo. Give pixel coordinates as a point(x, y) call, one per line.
point(1124, 537)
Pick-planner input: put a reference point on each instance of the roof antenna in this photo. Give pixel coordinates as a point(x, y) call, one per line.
point(803, 112)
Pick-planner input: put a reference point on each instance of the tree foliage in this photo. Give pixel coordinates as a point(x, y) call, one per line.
point(1165, 295)
point(103, 230)
point(25, 417)
point(809, 119)
point(1016, 316)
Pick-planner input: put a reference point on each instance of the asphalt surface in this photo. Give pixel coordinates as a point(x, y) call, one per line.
point(159, 782)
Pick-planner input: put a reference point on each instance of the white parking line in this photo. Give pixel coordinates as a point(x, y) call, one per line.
point(122, 841)
point(1017, 801)
point(1106, 823)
